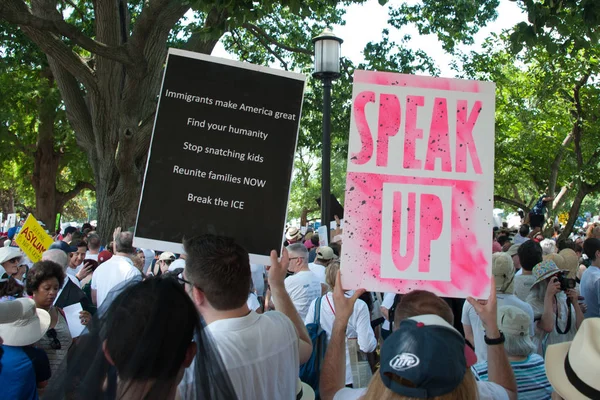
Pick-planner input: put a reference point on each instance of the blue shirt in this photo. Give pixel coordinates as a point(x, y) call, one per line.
point(21, 368)
point(530, 374)
point(590, 290)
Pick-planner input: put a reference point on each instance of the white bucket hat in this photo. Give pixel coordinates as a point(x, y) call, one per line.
point(571, 366)
point(8, 253)
point(30, 325)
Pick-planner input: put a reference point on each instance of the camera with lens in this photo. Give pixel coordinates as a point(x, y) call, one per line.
point(565, 283)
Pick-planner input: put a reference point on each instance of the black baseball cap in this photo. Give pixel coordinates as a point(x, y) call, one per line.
point(63, 246)
point(427, 351)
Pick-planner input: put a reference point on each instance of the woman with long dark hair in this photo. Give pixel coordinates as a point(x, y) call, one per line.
point(139, 347)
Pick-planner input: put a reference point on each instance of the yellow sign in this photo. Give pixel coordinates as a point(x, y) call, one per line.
point(32, 239)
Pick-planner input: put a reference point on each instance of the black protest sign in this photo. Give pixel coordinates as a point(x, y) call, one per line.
point(221, 155)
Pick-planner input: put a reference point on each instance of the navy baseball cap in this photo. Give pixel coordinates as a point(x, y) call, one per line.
point(63, 246)
point(424, 358)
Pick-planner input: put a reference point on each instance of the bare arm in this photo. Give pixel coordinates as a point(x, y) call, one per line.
point(499, 369)
point(385, 312)
point(94, 300)
point(573, 295)
point(333, 371)
point(469, 333)
point(284, 303)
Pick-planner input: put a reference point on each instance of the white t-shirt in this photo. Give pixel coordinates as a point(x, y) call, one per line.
point(74, 271)
point(359, 326)
point(388, 302)
point(90, 256)
point(486, 391)
point(111, 273)
point(470, 317)
point(319, 271)
point(303, 287)
point(252, 302)
point(258, 278)
point(260, 353)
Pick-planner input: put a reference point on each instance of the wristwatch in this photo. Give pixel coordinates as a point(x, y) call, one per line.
point(491, 342)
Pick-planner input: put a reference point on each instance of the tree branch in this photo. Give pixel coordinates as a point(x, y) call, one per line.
point(257, 31)
point(79, 186)
point(577, 115)
point(267, 46)
point(17, 12)
point(512, 202)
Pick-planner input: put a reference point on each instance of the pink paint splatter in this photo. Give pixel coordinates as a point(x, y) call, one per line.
point(363, 222)
point(464, 136)
point(425, 82)
point(411, 132)
point(389, 124)
point(402, 262)
point(366, 151)
point(439, 140)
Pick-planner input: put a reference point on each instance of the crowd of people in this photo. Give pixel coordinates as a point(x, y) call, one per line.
point(108, 320)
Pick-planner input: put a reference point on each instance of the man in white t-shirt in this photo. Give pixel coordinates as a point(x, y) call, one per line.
point(420, 309)
point(304, 286)
point(324, 256)
point(261, 352)
point(93, 242)
point(116, 270)
point(504, 273)
point(530, 255)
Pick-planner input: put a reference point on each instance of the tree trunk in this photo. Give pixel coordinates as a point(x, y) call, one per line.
point(573, 212)
point(304, 217)
point(46, 162)
point(110, 100)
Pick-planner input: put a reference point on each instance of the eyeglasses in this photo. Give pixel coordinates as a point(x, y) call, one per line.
point(55, 343)
point(186, 282)
point(293, 258)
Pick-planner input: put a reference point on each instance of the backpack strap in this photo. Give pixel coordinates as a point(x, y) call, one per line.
point(317, 319)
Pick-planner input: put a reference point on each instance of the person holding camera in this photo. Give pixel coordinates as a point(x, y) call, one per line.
point(556, 311)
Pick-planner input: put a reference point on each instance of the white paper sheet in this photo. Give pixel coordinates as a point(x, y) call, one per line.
point(72, 314)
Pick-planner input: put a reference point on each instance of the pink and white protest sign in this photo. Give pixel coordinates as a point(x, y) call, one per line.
point(420, 185)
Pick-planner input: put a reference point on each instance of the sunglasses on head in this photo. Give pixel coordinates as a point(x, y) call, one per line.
point(55, 343)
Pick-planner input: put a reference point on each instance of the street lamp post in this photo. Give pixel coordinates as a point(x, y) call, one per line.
point(327, 68)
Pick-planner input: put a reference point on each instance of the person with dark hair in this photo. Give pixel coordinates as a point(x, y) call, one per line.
point(536, 215)
point(68, 234)
point(139, 347)
point(70, 292)
point(10, 289)
point(530, 254)
point(590, 280)
point(262, 352)
point(522, 235)
point(76, 270)
point(43, 282)
point(118, 269)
